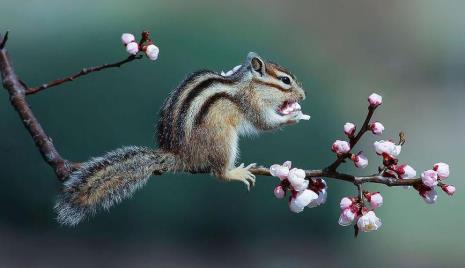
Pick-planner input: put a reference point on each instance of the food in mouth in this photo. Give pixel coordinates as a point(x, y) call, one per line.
point(292, 107)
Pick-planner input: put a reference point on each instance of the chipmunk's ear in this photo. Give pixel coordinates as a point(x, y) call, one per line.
point(257, 65)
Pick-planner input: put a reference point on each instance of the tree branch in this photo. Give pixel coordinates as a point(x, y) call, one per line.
point(357, 180)
point(83, 72)
point(62, 167)
point(16, 90)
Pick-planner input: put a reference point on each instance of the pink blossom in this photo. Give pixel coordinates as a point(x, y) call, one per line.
point(369, 222)
point(442, 169)
point(347, 217)
point(406, 172)
point(346, 203)
point(152, 52)
point(279, 192)
point(387, 147)
point(127, 38)
point(301, 200)
point(132, 48)
point(375, 100)
point(377, 128)
point(376, 200)
point(297, 179)
point(360, 160)
point(429, 178)
point(430, 196)
point(448, 189)
point(340, 147)
point(349, 129)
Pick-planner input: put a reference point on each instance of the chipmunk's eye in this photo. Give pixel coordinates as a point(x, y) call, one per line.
point(285, 80)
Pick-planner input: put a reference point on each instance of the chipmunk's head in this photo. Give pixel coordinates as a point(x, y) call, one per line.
point(274, 89)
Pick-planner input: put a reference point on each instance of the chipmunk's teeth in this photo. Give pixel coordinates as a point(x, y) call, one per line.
point(289, 107)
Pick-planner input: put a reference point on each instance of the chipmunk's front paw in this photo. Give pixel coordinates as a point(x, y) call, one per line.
point(242, 174)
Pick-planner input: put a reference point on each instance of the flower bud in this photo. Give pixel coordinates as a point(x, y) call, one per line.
point(152, 52)
point(375, 100)
point(132, 48)
point(429, 178)
point(297, 179)
point(340, 147)
point(279, 192)
point(377, 128)
point(442, 169)
point(448, 189)
point(360, 160)
point(127, 38)
point(369, 222)
point(349, 129)
point(346, 203)
point(375, 199)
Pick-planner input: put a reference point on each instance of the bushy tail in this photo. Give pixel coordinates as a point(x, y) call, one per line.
point(107, 180)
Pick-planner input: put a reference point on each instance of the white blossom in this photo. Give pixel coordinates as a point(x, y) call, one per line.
point(280, 171)
point(297, 179)
point(127, 38)
point(346, 203)
point(302, 200)
point(387, 147)
point(152, 52)
point(322, 196)
point(347, 217)
point(429, 178)
point(132, 48)
point(369, 222)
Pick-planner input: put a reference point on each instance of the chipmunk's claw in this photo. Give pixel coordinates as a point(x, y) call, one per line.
point(242, 174)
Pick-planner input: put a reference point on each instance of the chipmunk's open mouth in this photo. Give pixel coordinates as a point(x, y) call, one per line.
point(288, 107)
point(292, 108)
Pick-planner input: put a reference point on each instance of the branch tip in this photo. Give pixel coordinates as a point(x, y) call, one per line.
point(4, 40)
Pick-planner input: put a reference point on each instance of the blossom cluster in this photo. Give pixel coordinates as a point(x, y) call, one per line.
point(360, 209)
point(146, 45)
point(353, 209)
point(303, 192)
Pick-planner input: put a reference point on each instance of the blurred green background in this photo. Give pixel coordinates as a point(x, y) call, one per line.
point(410, 52)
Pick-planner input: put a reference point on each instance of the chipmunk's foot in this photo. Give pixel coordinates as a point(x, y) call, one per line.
point(242, 174)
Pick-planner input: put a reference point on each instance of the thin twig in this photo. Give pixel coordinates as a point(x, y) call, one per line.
point(83, 72)
point(354, 140)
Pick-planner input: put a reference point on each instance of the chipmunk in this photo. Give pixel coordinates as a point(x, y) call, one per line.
point(198, 131)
